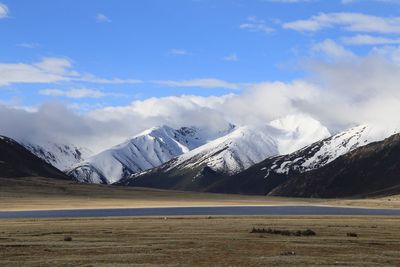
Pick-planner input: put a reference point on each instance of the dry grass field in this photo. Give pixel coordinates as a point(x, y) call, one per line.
point(199, 241)
point(189, 241)
point(36, 193)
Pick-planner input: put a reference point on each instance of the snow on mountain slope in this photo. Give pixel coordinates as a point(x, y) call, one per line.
point(298, 131)
point(248, 145)
point(144, 151)
point(233, 152)
point(61, 156)
point(321, 153)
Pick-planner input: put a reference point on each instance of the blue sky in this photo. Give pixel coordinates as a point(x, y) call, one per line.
point(89, 54)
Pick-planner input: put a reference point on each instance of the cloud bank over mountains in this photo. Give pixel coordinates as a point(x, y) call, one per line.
point(340, 87)
point(339, 92)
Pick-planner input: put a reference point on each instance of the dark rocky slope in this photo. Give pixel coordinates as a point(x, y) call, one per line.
point(17, 161)
point(373, 169)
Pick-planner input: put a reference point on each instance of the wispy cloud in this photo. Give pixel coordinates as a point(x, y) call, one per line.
point(254, 24)
point(364, 39)
point(178, 52)
point(28, 45)
point(101, 18)
point(50, 70)
point(231, 57)
point(292, 1)
point(353, 22)
point(93, 79)
point(78, 93)
point(4, 11)
point(331, 50)
point(202, 83)
point(346, 2)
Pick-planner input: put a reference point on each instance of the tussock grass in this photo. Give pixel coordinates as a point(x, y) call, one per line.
point(307, 232)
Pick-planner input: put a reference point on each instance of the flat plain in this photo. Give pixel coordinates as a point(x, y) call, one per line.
point(185, 241)
point(200, 241)
point(37, 193)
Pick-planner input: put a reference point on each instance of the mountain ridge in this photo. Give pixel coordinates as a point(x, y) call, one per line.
point(230, 154)
point(143, 151)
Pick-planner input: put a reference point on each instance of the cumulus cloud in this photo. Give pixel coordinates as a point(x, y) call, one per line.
point(361, 90)
point(340, 93)
point(353, 22)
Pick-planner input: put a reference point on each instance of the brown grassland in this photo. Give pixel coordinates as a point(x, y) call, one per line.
point(199, 241)
point(36, 193)
point(188, 241)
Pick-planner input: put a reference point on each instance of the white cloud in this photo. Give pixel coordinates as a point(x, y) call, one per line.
point(179, 52)
point(332, 50)
point(231, 57)
point(389, 53)
point(346, 2)
point(364, 39)
point(254, 24)
point(389, 1)
point(28, 45)
point(357, 91)
point(340, 93)
point(77, 93)
point(4, 11)
point(93, 79)
point(203, 83)
point(101, 18)
point(292, 1)
point(50, 70)
point(353, 22)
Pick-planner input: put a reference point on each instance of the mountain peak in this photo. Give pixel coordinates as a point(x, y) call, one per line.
point(143, 151)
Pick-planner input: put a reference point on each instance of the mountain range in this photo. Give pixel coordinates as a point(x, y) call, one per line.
point(144, 151)
point(292, 156)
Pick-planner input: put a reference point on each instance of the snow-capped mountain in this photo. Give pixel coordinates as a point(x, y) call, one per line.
point(263, 177)
point(144, 151)
point(61, 156)
point(248, 145)
point(370, 170)
point(321, 153)
point(242, 148)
